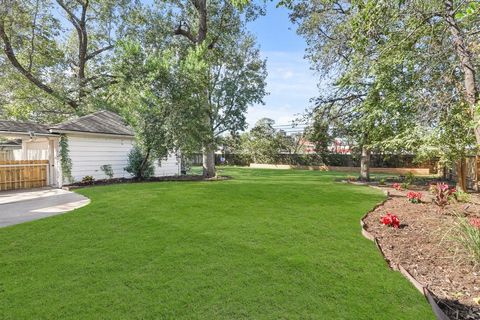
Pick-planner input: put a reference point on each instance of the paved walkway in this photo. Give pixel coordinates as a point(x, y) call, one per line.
point(22, 206)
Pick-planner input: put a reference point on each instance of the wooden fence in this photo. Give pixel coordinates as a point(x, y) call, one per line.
point(472, 172)
point(23, 174)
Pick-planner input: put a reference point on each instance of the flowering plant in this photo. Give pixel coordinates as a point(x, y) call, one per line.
point(414, 197)
point(397, 186)
point(442, 192)
point(390, 220)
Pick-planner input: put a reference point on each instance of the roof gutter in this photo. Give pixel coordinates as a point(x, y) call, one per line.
point(59, 131)
point(28, 133)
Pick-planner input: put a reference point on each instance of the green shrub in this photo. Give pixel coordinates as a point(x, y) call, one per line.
point(88, 180)
point(462, 196)
point(381, 182)
point(405, 185)
point(108, 170)
point(410, 178)
point(134, 167)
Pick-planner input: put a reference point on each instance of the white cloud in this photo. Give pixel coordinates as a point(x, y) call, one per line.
point(291, 85)
point(287, 74)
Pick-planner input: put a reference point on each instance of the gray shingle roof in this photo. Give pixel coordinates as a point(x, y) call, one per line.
point(104, 122)
point(23, 127)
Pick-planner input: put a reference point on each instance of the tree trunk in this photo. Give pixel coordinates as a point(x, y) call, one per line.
point(201, 6)
point(477, 173)
point(209, 161)
point(144, 164)
point(467, 65)
point(365, 164)
point(462, 174)
point(208, 152)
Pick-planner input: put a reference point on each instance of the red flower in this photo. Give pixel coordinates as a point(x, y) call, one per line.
point(475, 222)
point(386, 220)
point(395, 222)
point(414, 197)
point(390, 220)
point(397, 186)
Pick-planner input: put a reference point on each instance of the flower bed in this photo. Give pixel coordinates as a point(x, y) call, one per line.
point(425, 248)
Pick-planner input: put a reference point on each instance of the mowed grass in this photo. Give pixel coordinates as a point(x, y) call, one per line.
point(265, 245)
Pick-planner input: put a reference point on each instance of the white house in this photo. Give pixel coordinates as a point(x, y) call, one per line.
point(93, 141)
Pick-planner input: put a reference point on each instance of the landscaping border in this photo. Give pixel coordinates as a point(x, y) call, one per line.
point(398, 267)
point(180, 178)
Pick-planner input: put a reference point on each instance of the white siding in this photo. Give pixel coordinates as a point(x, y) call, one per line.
point(37, 149)
point(89, 152)
point(167, 167)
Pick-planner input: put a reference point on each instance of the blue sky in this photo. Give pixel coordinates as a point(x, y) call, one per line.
point(290, 81)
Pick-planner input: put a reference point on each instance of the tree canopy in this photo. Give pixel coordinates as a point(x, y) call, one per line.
point(404, 72)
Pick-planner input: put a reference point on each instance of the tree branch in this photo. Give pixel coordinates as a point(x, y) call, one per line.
point(9, 52)
point(99, 51)
point(71, 15)
point(186, 33)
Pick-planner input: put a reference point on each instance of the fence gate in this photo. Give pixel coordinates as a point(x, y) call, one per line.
point(23, 174)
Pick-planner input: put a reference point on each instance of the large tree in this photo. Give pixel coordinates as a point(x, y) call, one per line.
point(235, 77)
point(439, 41)
point(365, 100)
point(198, 86)
point(264, 143)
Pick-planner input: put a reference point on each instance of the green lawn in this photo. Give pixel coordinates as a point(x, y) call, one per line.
point(266, 245)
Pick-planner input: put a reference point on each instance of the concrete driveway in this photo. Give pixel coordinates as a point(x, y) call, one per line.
point(22, 206)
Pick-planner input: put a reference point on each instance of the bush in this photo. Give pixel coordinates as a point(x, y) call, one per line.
point(88, 180)
point(134, 167)
point(234, 159)
point(410, 178)
point(462, 196)
point(108, 170)
point(405, 185)
point(468, 235)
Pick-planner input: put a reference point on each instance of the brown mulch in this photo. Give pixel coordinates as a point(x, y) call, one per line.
point(104, 182)
point(424, 245)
